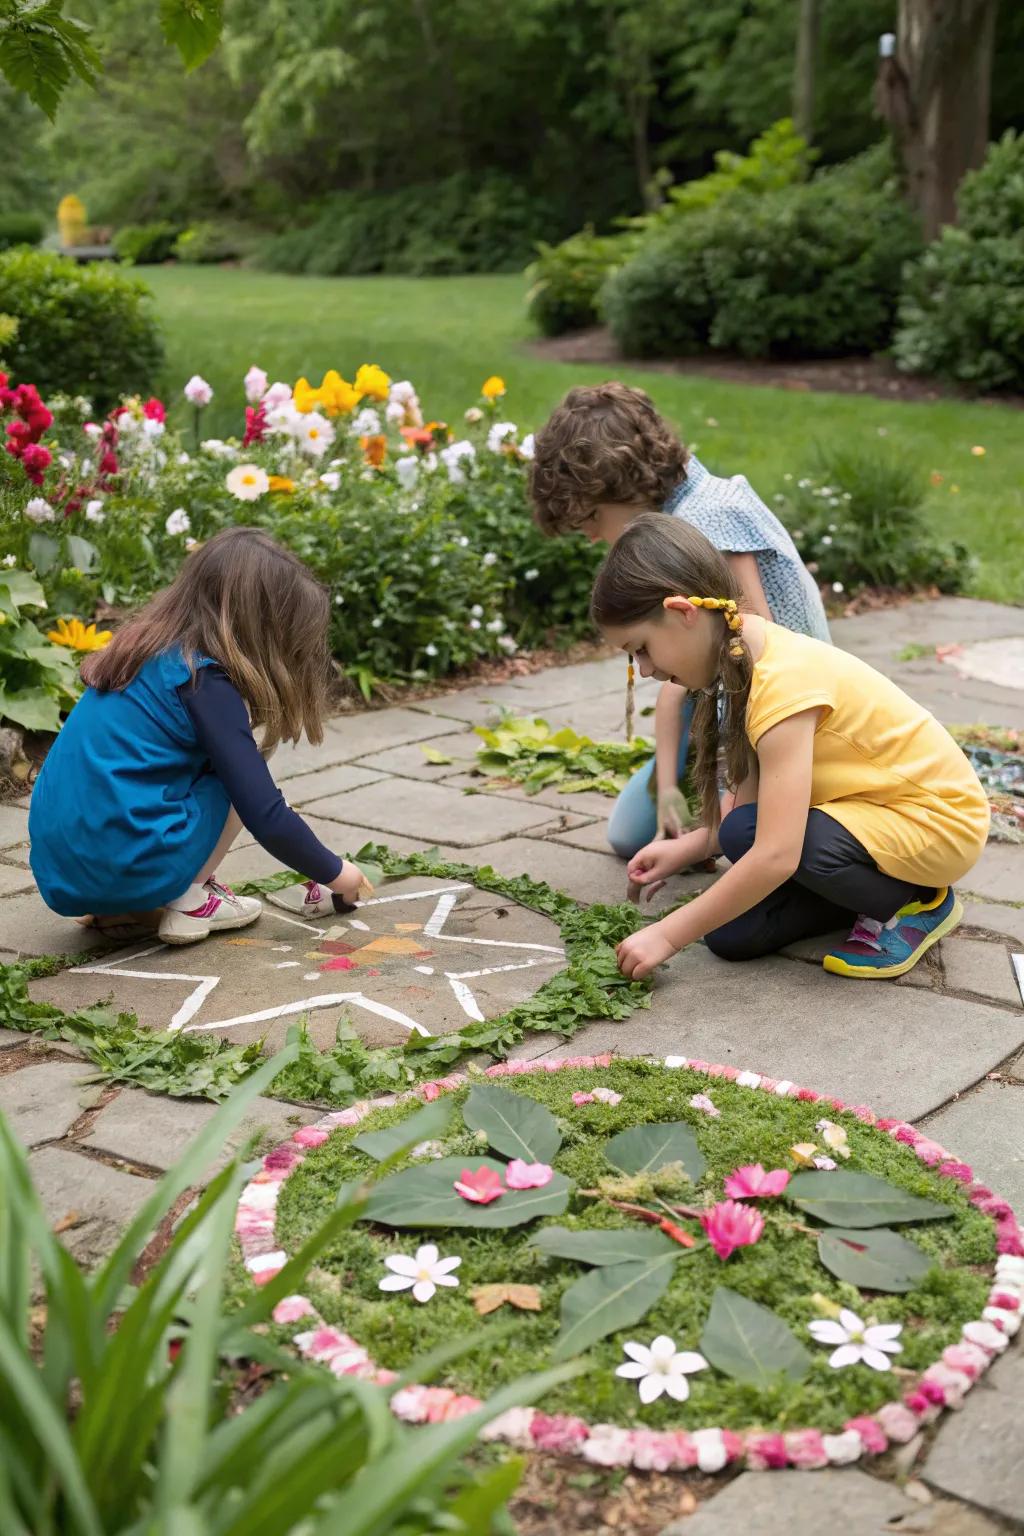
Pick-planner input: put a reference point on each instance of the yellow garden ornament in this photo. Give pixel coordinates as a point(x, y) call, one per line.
point(78, 636)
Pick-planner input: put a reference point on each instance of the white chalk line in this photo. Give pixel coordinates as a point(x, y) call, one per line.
point(308, 1004)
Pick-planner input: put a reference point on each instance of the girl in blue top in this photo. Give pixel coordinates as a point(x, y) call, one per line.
point(606, 456)
point(157, 768)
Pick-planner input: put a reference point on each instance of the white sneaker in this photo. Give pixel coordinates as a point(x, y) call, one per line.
point(306, 901)
point(206, 909)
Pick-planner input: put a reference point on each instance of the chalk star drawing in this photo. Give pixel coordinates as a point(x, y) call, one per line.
point(349, 956)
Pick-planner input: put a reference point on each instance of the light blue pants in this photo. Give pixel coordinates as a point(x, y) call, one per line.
point(634, 819)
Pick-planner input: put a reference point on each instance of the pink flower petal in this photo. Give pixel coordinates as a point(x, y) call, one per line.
point(520, 1175)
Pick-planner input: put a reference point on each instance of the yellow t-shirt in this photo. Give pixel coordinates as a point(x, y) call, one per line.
point(883, 766)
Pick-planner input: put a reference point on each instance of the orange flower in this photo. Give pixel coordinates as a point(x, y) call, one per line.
point(374, 449)
point(418, 437)
point(493, 388)
point(282, 484)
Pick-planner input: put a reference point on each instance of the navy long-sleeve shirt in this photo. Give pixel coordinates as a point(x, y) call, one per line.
point(221, 722)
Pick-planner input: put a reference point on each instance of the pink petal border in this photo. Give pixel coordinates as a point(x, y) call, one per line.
point(943, 1385)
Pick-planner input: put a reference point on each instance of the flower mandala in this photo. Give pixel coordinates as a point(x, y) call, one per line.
point(705, 1265)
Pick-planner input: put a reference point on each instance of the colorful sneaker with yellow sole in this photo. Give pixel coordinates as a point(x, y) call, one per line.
point(879, 951)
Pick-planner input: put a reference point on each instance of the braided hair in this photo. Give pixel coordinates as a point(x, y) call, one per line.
point(659, 557)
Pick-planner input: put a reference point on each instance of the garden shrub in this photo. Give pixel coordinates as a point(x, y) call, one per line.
point(812, 270)
point(860, 521)
point(85, 330)
point(206, 243)
point(461, 224)
point(146, 244)
point(961, 316)
point(566, 279)
point(20, 229)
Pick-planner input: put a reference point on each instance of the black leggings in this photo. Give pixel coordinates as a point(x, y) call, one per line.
point(836, 880)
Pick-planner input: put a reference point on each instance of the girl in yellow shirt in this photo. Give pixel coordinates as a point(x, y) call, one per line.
point(852, 802)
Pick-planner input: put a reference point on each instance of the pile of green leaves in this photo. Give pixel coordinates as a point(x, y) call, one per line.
point(187, 1065)
point(527, 751)
point(38, 680)
point(885, 1236)
point(159, 1438)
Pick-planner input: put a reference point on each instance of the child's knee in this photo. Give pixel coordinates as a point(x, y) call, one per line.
point(733, 942)
point(737, 831)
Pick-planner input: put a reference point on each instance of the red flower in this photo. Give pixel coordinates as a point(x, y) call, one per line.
point(729, 1226)
point(154, 410)
point(480, 1187)
point(255, 425)
point(20, 433)
point(108, 463)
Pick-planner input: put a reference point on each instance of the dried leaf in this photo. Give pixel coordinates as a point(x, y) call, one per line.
point(488, 1298)
point(67, 1221)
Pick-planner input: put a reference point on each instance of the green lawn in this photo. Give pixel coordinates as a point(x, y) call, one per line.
point(448, 334)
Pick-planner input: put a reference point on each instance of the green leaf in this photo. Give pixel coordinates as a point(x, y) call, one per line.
point(749, 1342)
point(31, 708)
point(43, 551)
point(23, 591)
point(879, 1260)
point(845, 1199)
point(432, 755)
point(425, 1197)
point(193, 27)
point(432, 1120)
point(612, 1297)
point(513, 1124)
point(84, 556)
point(646, 1148)
point(620, 1246)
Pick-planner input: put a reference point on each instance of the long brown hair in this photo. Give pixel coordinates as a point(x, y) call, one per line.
point(253, 607)
point(658, 557)
point(605, 442)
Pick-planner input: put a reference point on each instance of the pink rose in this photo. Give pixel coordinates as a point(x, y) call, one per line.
point(870, 1432)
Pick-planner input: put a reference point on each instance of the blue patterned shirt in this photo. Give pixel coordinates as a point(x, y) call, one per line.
point(736, 521)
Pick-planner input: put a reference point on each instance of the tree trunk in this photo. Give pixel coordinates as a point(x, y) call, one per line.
point(936, 97)
point(808, 31)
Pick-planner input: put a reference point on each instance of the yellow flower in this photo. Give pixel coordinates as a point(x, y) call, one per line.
point(493, 388)
point(305, 397)
point(337, 396)
point(978, 451)
point(373, 382)
point(281, 483)
point(78, 636)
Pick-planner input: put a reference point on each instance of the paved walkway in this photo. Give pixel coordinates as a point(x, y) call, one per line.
point(944, 1047)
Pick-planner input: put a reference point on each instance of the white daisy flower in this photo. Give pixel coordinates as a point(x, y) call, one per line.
point(248, 482)
point(178, 522)
point(313, 433)
point(660, 1367)
point(422, 1273)
point(857, 1342)
point(501, 433)
point(366, 424)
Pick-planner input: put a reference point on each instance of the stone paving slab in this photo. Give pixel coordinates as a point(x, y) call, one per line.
point(977, 1453)
point(432, 810)
point(155, 1131)
point(103, 1199)
point(540, 693)
point(975, 965)
point(791, 1020)
point(991, 917)
point(326, 781)
point(13, 825)
point(799, 1504)
point(378, 729)
point(42, 1102)
point(986, 1128)
point(586, 803)
point(381, 968)
point(998, 874)
point(28, 927)
point(17, 856)
point(12, 879)
point(409, 762)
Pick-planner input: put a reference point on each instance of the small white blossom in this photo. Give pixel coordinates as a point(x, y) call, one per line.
point(826, 538)
point(376, 623)
point(339, 601)
point(190, 544)
point(39, 510)
point(430, 650)
point(474, 623)
point(255, 384)
point(197, 391)
point(435, 560)
point(463, 541)
point(277, 394)
point(660, 1367)
point(837, 586)
point(331, 479)
point(218, 448)
point(407, 469)
point(473, 415)
point(857, 1342)
point(366, 423)
point(501, 433)
point(528, 446)
point(313, 433)
point(94, 512)
point(421, 1274)
point(10, 560)
point(152, 429)
point(477, 611)
point(248, 482)
point(490, 558)
point(452, 456)
point(92, 430)
point(178, 522)
point(184, 458)
point(507, 644)
point(531, 574)
point(496, 626)
point(395, 412)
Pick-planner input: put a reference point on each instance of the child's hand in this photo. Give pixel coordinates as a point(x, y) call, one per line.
point(642, 951)
point(673, 812)
point(351, 885)
point(650, 868)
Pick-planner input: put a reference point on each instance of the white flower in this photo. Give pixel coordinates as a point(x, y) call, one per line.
point(152, 429)
point(490, 558)
point(255, 384)
point(661, 1368)
point(496, 627)
point(430, 650)
point(407, 469)
point(92, 430)
point(178, 522)
point(10, 560)
point(473, 415)
point(531, 574)
point(314, 433)
point(477, 611)
point(837, 586)
point(451, 457)
point(749, 1079)
point(827, 539)
point(508, 645)
point(608, 1446)
point(423, 1274)
point(282, 417)
point(500, 433)
point(712, 1454)
point(277, 394)
point(844, 1448)
point(513, 1427)
point(39, 510)
point(190, 544)
point(395, 412)
point(857, 1342)
point(434, 560)
point(1008, 1322)
point(248, 482)
point(366, 424)
point(463, 543)
point(94, 512)
point(1010, 1267)
point(527, 446)
point(184, 458)
point(197, 391)
point(376, 623)
point(218, 448)
point(986, 1335)
point(331, 479)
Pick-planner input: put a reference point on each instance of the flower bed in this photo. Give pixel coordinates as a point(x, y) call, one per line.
point(420, 530)
point(866, 1319)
